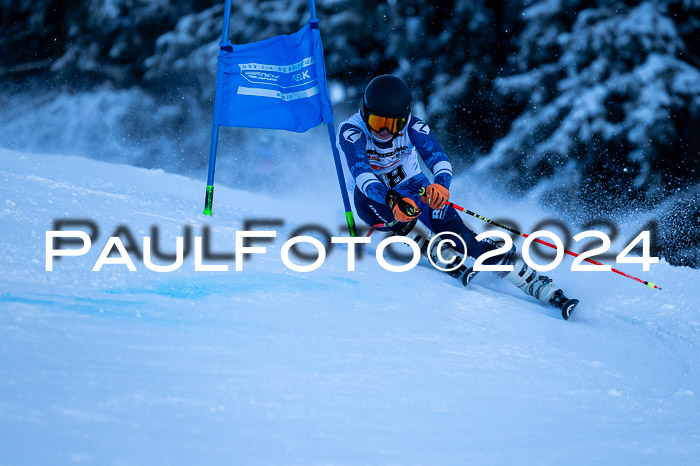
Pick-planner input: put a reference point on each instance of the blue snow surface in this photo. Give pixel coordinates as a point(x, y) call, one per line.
point(270, 366)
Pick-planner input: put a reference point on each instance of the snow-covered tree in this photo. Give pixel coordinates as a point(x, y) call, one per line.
point(679, 228)
point(590, 103)
point(611, 106)
point(447, 51)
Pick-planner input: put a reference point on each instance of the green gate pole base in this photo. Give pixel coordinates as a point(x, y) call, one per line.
point(208, 200)
point(351, 223)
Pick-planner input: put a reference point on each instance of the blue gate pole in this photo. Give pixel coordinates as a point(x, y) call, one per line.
point(341, 180)
point(349, 218)
point(209, 197)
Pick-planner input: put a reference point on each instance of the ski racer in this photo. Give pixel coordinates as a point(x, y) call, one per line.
point(381, 144)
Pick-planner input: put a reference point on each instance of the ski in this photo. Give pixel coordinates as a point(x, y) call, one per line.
point(568, 307)
point(468, 276)
point(525, 280)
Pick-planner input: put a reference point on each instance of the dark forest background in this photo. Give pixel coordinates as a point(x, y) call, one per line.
point(593, 105)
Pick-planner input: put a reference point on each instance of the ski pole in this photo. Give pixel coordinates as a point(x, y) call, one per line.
point(380, 225)
point(651, 285)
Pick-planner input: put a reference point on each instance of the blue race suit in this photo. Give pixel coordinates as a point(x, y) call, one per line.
point(379, 166)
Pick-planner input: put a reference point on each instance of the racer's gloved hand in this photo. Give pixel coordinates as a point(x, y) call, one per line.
point(404, 208)
point(435, 196)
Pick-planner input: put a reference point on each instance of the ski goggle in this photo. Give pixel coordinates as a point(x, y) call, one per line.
point(393, 124)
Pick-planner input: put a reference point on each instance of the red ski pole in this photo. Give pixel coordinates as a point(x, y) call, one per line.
point(380, 225)
point(651, 285)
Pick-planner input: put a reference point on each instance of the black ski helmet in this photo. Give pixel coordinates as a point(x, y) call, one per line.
point(387, 96)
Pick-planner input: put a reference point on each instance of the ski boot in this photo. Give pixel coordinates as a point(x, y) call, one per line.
point(449, 258)
point(507, 259)
point(541, 287)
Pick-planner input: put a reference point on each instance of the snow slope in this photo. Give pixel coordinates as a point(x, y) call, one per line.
point(269, 366)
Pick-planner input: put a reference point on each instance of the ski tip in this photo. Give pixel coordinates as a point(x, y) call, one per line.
point(468, 276)
point(568, 308)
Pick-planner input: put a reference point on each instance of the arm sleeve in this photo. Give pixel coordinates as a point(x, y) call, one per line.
point(430, 151)
point(353, 143)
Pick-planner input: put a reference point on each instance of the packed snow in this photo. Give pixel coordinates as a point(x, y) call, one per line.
point(270, 366)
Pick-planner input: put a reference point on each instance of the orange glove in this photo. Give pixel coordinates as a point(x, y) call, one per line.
point(404, 209)
point(436, 195)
